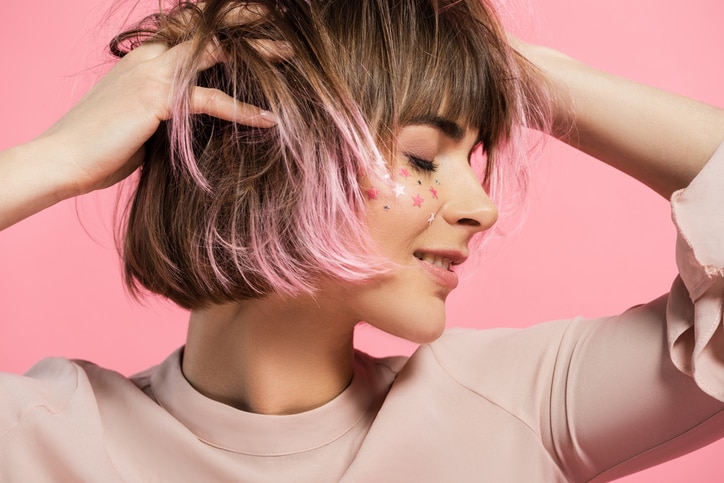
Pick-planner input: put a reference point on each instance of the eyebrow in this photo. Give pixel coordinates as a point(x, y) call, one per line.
point(450, 128)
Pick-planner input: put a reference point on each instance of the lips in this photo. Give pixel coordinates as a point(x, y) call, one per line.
point(437, 264)
point(443, 259)
point(437, 260)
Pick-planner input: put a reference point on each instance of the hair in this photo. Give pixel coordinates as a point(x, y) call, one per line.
point(225, 212)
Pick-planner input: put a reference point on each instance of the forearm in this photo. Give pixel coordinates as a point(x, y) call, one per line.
point(30, 182)
point(659, 138)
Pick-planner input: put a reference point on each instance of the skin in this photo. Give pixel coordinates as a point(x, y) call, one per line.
point(119, 113)
point(659, 138)
point(280, 355)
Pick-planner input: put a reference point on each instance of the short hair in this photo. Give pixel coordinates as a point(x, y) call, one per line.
point(225, 212)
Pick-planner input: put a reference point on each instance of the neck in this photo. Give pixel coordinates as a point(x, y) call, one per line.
point(270, 355)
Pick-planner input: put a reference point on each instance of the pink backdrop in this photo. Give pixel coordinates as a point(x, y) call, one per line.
point(594, 242)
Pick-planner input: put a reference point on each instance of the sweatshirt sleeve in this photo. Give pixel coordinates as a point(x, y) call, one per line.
point(611, 396)
point(694, 311)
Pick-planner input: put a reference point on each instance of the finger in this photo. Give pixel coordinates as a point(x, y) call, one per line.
point(147, 51)
point(219, 104)
point(213, 54)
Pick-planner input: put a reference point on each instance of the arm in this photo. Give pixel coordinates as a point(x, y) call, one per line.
point(657, 137)
point(100, 141)
point(621, 404)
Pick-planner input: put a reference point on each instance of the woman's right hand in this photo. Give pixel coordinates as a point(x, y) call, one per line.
point(101, 139)
point(104, 134)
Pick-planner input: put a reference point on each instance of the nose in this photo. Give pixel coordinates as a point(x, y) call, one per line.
point(468, 205)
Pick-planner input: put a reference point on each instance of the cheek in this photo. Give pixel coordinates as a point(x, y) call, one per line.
point(406, 199)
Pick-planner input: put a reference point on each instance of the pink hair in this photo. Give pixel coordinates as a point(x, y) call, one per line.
point(225, 212)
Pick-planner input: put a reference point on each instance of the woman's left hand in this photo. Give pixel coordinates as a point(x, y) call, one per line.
point(661, 139)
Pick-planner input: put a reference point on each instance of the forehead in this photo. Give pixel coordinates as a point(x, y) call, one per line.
point(450, 128)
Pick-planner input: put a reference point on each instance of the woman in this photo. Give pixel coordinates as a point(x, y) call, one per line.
point(283, 360)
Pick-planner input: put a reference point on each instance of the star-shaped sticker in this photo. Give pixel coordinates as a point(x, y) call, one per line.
point(404, 173)
point(372, 193)
point(417, 201)
point(399, 190)
point(431, 219)
point(433, 191)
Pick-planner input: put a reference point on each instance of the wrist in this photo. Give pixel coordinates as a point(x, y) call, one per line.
point(552, 66)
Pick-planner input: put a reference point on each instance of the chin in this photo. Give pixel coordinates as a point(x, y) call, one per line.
point(420, 329)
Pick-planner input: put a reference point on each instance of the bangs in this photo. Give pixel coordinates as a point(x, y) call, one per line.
point(447, 59)
point(452, 75)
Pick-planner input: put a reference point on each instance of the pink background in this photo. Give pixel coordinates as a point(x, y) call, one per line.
point(594, 242)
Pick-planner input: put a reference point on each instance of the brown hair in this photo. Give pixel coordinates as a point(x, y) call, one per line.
point(225, 212)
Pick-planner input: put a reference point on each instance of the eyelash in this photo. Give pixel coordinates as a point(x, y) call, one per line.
point(421, 164)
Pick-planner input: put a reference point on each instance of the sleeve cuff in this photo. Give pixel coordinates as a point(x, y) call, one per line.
point(695, 308)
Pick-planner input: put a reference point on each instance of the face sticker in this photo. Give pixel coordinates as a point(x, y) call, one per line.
point(372, 193)
point(398, 189)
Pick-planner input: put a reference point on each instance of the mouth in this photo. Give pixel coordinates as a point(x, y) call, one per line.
point(438, 265)
point(434, 259)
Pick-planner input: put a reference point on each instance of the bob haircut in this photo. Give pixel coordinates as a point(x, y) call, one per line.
point(225, 212)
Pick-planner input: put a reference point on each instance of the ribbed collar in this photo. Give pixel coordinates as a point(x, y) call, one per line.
point(234, 430)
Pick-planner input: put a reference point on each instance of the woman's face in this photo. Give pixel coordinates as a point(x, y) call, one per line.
point(422, 219)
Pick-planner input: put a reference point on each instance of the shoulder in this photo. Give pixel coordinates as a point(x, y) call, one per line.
point(460, 349)
point(53, 387)
point(48, 385)
point(56, 411)
point(501, 364)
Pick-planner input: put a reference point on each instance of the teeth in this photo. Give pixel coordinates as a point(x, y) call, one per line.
point(436, 260)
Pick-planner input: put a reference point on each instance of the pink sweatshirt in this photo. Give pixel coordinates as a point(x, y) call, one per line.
point(572, 400)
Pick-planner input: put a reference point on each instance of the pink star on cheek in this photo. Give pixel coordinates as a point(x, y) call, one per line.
point(404, 173)
point(372, 193)
point(434, 192)
point(417, 201)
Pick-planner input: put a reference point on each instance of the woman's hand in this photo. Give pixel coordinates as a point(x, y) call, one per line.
point(101, 139)
point(105, 132)
point(659, 138)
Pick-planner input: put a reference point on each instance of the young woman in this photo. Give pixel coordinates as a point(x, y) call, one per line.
point(353, 200)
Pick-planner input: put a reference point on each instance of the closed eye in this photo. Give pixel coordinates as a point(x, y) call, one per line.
point(422, 164)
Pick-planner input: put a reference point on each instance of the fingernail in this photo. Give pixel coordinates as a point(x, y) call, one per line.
point(268, 116)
